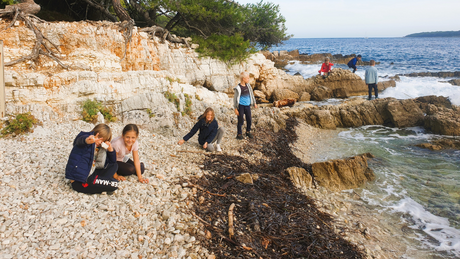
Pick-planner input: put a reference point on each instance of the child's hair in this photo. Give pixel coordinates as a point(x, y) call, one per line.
point(244, 75)
point(131, 127)
point(326, 59)
point(372, 62)
point(104, 131)
point(359, 56)
point(209, 109)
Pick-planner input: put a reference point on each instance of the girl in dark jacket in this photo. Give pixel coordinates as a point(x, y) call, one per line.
point(92, 164)
point(210, 134)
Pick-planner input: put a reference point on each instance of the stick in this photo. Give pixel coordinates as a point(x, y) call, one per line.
point(231, 231)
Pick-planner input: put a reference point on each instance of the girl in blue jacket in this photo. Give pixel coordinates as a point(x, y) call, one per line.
point(92, 164)
point(210, 134)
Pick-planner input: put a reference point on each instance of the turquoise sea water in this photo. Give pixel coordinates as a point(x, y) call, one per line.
point(415, 187)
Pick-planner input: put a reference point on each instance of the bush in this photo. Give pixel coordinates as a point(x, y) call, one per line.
point(188, 106)
point(22, 123)
point(90, 108)
point(229, 49)
point(173, 99)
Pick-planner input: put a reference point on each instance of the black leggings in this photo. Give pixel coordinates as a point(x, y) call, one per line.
point(100, 181)
point(128, 168)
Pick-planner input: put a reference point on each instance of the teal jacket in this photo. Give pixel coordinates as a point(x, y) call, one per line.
point(371, 76)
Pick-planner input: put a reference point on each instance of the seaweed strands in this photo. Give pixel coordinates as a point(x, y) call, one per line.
point(271, 218)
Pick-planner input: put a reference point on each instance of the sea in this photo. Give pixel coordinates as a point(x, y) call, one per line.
point(417, 190)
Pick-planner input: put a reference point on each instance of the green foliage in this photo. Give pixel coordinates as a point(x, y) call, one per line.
point(264, 24)
point(230, 49)
point(21, 123)
point(90, 108)
point(172, 98)
point(197, 97)
point(3, 3)
point(188, 105)
point(150, 113)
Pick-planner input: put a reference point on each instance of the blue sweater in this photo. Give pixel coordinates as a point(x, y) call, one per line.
point(81, 158)
point(371, 76)
point(352, 62)
point(207, 131)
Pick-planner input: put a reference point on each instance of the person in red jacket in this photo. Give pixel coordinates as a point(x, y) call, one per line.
point(326, 68)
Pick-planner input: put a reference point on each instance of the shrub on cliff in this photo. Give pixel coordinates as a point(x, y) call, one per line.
point(21, 123)
point(90, 108)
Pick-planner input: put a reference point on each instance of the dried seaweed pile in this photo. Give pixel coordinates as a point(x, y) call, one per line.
point(272, 219)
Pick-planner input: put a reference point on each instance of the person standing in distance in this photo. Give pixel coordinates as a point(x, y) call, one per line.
point(372, 79)
point(242, 102)
point(352, 63)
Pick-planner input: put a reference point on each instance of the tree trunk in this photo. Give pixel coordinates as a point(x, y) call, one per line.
point(122, 14)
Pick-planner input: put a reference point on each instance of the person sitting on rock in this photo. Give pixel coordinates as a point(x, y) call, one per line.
point(352, 63)
point(92, 166)
point(243, 99)
point(124, 145)
point(372, 79)
point(210, 135)
point(326, 68)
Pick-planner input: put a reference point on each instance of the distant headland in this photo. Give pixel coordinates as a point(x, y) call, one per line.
point(435, 34)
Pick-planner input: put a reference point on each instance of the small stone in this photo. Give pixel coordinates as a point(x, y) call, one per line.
point(245, 178)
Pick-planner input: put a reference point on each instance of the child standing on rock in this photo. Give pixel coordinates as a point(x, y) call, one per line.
point(210, 134)
point(326, 68)
point(242, 102)
point(124, 145)
point(352, 63)
point(92, 166)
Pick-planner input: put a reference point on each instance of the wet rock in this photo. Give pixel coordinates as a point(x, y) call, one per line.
point(320, 93)
point(386, 84)
point(405, 113)
point(340, 93)
point(342, 174)
point(446, 122)
point(300, 177)
point(454, 81)
point(429, 146)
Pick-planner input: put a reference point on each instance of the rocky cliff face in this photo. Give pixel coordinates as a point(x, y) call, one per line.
point(94, 51)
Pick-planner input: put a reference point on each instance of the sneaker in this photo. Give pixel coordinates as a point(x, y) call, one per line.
point(249, 134)
point(218, 149)
point(239, 136)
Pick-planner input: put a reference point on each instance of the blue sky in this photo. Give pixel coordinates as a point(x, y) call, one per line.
point(372, 18)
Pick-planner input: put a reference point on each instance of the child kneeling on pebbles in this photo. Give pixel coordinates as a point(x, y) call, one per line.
point(210, 134)
point(92, 166)
point(124, 145)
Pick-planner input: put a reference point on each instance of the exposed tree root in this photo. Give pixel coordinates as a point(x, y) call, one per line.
point(40, 47)
point(164, 34)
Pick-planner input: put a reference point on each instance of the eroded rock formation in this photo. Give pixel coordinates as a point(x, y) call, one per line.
point(343, 174)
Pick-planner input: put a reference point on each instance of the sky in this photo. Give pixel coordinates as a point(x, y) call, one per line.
point(371, 18)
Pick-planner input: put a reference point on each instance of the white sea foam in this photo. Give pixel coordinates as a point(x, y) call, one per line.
point(407, 88)
point(412, 87)
point(434, 226)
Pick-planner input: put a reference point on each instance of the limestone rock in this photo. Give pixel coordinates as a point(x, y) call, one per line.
point(304, 97)
point(341, 78)
point(282, 103)
point(320, 93)
point(386, 84)
point(444, 122)
point(405, 113)
point(245, 178)
point(340, 93)
point(343, 174)
point(454, 81)
point(430, 146)
point(281, 94)
point(300, 177)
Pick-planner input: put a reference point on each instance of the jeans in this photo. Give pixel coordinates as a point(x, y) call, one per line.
point(217, 139)
point(100, 181)
point(244, 111)
point(376, 91)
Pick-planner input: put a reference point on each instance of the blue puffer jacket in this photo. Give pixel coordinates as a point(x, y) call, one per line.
point(81, 158)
